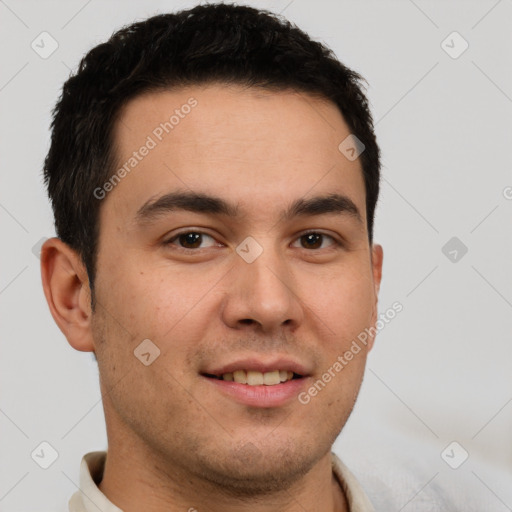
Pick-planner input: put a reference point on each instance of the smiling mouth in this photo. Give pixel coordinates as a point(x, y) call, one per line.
point(254, 378)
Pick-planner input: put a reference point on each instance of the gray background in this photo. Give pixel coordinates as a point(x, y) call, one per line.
point(439, 372)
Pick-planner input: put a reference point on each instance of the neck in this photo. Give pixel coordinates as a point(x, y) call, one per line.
point(135, 479)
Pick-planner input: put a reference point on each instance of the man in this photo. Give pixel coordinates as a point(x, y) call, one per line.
point(214, 175)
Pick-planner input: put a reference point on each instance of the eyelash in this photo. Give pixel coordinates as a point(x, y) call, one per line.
point(187, 250)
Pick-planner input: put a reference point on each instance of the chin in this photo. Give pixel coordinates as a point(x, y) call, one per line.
point(248, 471)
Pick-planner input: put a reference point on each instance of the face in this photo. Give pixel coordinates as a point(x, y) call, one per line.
point(237, 244)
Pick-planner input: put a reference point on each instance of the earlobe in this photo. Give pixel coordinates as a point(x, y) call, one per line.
point(66, 288)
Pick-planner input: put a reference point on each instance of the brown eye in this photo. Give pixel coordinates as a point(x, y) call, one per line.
point(311, 241)
point(315, 240)
point(192, 240)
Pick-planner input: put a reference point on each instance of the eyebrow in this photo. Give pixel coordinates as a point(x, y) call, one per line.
point(208, 204)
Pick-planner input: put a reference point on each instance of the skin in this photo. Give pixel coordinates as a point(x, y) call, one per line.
point(175, 441)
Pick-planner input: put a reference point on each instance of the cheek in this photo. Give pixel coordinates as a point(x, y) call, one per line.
point(344, 302)
point(151, 302)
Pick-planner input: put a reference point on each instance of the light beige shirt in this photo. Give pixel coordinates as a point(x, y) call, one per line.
point(90, 499)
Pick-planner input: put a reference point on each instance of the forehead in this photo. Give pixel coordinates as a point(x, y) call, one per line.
point(235, 142)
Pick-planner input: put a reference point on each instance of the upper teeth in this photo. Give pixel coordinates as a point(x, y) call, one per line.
point(253, 378)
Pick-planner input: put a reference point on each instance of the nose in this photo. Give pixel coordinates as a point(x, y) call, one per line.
point(262, 295)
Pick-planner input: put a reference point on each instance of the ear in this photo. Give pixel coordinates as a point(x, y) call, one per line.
point(66, 288)
point(377, 260)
